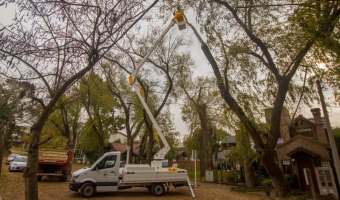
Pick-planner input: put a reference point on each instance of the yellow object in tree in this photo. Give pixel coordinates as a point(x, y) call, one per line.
point(179, 18)
point(155, 135)
point(130, 79)
point(141, 91)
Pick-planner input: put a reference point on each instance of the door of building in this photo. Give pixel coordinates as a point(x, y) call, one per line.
point(305, 162)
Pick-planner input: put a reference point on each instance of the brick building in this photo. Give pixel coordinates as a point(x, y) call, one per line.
point(303, 146)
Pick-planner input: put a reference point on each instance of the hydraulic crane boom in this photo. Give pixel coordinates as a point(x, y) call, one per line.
point(179, 20)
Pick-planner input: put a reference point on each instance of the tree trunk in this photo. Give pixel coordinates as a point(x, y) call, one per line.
point(245, 147)
point(130, 143)
point(149, 147)
point(279, 182)
point(4, 137)
point(210, 163)
point(206, 151)
point(101, 146)
point(142, 146)
point(249, 174)
point(2, 147)
point(202, 154)
point(129, 140)
point(30, 173)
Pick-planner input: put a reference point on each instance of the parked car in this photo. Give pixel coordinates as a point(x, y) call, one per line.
point(11, 157)
point(18, 164)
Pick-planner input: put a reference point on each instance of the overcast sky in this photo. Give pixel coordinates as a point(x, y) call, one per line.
point(202, 67)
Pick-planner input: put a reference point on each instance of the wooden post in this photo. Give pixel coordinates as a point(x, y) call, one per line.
point(309, 181)
point(195, 159)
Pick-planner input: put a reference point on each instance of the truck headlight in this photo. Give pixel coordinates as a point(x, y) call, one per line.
point(74, 177)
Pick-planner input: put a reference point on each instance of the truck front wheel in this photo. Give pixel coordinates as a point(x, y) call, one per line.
point(87, 190)
point(158, 189)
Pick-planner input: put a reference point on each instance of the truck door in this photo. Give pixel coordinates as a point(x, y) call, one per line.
point(107, 174)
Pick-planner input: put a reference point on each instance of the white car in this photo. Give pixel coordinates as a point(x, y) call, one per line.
point(11, 157)
point(18, 164)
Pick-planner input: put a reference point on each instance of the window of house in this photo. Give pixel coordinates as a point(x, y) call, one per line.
point(325, 163)
point(308, 132)
point(287, 166)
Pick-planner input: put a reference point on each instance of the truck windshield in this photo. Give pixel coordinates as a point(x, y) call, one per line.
point(107, 162)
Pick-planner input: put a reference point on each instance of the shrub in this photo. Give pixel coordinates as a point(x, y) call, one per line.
point(266, 182)
point(231, 176)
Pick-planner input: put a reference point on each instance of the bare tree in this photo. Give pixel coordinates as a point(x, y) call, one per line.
point(53, 44)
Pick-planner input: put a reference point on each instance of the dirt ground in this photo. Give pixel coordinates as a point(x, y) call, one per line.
point(12, 188)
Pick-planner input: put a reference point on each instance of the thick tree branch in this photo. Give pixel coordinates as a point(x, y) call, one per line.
point(45, 141)
point(128, 29)
point(271, 65)
point(31, 67)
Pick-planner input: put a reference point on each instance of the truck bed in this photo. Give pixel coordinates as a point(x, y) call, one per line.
point(46, 157)
point(145, 174)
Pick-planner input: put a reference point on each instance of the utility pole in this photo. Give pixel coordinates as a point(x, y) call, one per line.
point(335, 153)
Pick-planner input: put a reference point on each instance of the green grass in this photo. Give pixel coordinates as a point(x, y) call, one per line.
point(3, 174)
point(191, 174)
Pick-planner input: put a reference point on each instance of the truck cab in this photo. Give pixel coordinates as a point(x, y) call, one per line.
point(102, 176)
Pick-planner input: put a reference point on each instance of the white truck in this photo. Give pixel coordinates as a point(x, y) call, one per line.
point(105, 175)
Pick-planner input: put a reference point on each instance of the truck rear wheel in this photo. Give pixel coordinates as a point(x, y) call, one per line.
point(63, 179)
point(64, 173)
point(158, 189)
point(39, 178)
point(87, 190)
